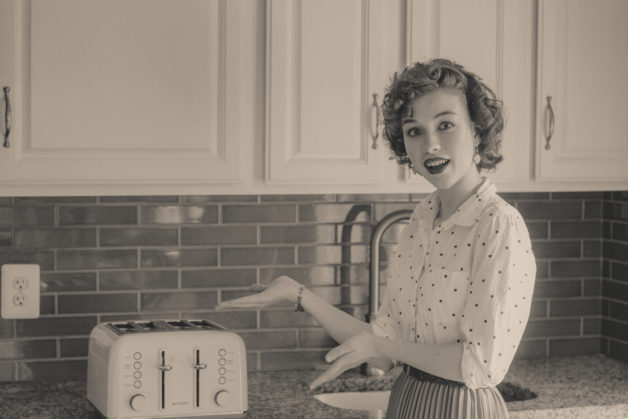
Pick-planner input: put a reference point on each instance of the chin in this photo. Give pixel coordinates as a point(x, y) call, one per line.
point(448, 179)
point(441, 182)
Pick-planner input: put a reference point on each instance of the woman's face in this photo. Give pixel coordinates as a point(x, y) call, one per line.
point(440, 139)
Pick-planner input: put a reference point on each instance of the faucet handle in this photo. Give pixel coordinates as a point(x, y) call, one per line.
point(371, 371)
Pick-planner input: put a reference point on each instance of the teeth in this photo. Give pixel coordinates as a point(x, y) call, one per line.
point(434, 163)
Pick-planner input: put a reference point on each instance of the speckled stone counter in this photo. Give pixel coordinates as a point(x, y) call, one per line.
point(571, 387)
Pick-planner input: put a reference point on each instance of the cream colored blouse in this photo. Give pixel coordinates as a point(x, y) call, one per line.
point(469, 280)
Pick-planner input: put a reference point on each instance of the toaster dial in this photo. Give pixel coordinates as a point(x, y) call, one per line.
point(138, 402)
point(222, 398)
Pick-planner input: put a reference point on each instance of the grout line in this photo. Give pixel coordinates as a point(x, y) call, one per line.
point(582, 210)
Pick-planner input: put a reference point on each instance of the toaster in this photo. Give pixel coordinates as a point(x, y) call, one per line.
point(166, 368)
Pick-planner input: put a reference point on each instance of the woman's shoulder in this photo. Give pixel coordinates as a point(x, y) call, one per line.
point(498, 210)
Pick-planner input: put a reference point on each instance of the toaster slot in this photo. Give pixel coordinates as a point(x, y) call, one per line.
point(206, 324)
point(124, 327)
point(162, 325)
point(180, 324)
point(148, 326)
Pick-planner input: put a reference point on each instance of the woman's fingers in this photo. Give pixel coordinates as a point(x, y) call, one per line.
point(338, 367)
point(356, 342)
point(244, 302)
point(351, 353)
point(258, 287)
point(255, 300)
point(339, 351)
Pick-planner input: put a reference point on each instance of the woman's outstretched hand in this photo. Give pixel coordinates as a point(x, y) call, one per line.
point(351, 353)
point(283, 288)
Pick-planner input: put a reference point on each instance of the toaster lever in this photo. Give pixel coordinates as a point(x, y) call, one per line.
point(163, 367)
point(199, 366)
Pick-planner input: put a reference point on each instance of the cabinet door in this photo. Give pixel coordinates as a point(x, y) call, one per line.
point(325, 59)
point(582, 61)
point(117, 92)
point(487, 37)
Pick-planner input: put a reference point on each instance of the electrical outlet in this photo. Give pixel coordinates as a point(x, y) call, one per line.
point(20, 282)
point(19, 299)
point(20, 291)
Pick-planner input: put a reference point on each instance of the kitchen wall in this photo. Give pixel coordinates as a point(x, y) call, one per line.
point(615, 276)
point(111, 258)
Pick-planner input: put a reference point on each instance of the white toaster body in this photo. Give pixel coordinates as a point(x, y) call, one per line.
point(157, 369)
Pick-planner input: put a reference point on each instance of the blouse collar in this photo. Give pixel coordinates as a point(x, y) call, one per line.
point(467, 214)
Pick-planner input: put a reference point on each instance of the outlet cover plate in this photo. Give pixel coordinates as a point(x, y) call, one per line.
point(20, 291)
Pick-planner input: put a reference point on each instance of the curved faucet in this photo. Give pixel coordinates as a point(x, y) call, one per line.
point(376, 237)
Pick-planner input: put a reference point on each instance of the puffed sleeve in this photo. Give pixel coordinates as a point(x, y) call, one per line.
point(500, 293)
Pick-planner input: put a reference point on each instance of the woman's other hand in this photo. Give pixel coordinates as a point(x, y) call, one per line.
point(356, 350)
point(283, 288)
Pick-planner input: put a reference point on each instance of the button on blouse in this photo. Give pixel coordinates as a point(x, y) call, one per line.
point(467, 280)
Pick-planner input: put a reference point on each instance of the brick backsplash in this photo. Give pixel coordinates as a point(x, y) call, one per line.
point(142, 257)
point(615, 276)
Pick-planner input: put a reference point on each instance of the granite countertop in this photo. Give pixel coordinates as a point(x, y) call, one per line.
point(569, 387)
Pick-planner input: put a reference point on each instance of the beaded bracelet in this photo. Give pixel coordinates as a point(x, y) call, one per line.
point(299, 307)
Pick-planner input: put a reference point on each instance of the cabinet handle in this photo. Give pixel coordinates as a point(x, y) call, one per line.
point(7, 117)
point(549, 126)
point(375, 132)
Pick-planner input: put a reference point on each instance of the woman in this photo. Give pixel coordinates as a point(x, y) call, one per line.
point(461, 277)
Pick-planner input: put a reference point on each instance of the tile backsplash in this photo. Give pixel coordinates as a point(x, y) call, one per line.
point(118, 257)
point(615, 276)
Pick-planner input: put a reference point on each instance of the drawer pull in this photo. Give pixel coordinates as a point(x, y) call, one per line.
point(549, 125)
point(375, 132)
point(7, 117)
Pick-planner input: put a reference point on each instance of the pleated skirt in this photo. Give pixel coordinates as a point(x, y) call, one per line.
point(411, 398)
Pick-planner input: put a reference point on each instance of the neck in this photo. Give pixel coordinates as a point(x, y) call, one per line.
point(452, 198)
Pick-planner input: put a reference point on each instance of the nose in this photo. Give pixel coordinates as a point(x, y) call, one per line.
point(432, 143)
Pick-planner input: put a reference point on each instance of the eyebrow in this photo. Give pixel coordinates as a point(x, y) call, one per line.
point(444, 113)
point(406, 121)
point(438, 115)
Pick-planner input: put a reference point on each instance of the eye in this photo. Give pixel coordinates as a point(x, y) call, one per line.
point(445, 125)
point(413, 132)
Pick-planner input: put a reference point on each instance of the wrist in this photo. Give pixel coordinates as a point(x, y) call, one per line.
point(289, 288)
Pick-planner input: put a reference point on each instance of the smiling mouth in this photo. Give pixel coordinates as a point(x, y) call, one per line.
point(436, 165)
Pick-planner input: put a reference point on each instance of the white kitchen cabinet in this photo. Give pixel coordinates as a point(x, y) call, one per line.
point(582, 96)
point(117, 93)
point(324, 61)
point(190, 96)
point(491, 38)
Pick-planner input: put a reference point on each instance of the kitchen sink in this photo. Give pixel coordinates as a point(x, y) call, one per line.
point(374, 402)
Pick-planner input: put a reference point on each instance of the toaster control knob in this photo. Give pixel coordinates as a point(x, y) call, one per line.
point(222, 398)
point(137, 402)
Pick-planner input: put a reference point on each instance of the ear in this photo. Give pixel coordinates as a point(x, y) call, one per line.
point(476, 137)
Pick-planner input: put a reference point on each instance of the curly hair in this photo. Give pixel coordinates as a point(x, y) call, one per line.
point(485, 110)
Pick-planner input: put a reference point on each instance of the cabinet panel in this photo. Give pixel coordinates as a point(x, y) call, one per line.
point(118, 92)
point(583, 86)
point(321, 73)
point(130, 79)
point(480, 35)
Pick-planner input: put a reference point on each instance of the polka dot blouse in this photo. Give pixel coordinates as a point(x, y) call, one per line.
point(468, 280)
